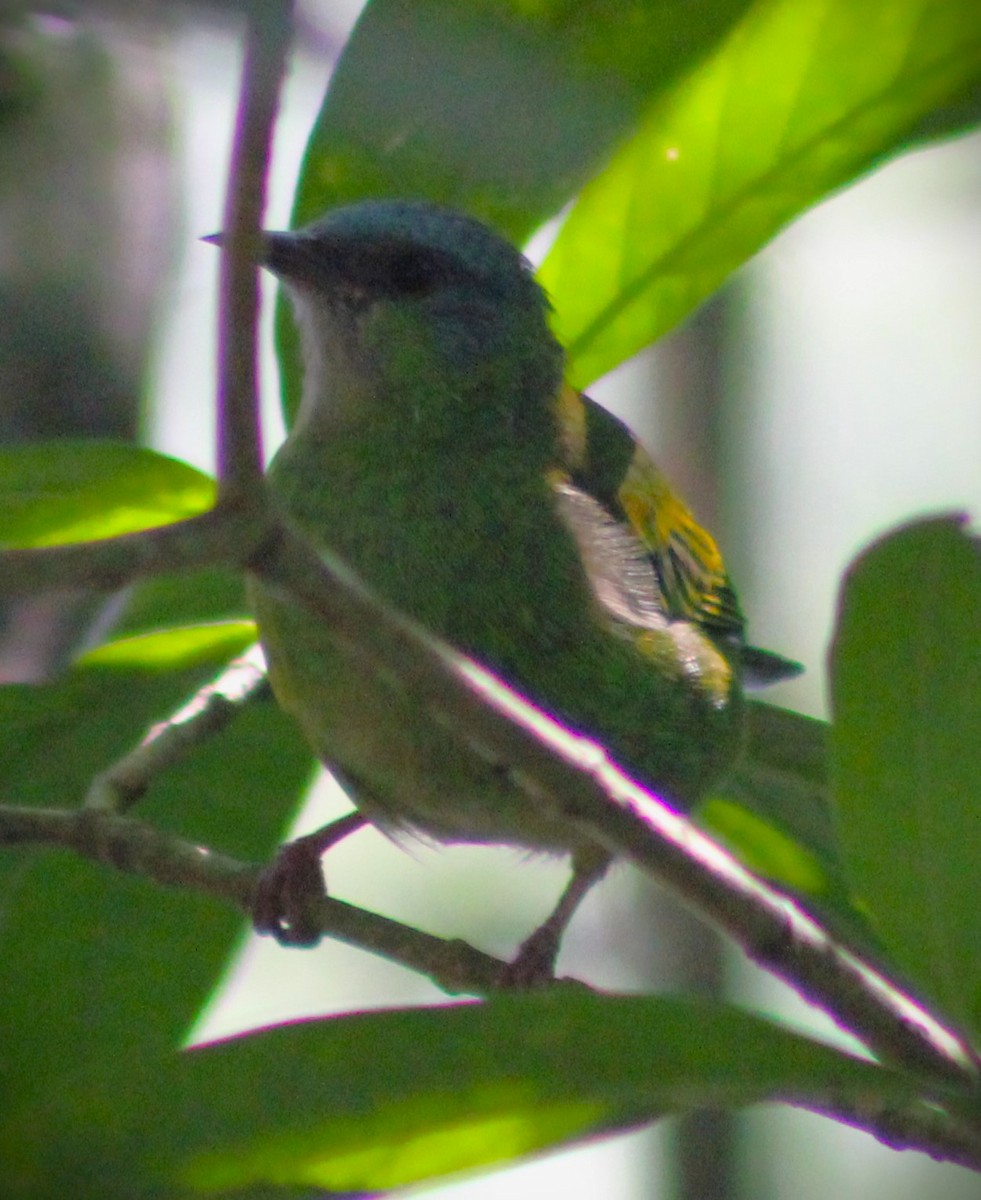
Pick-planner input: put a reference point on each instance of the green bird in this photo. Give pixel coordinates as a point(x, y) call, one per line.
point(438, 451)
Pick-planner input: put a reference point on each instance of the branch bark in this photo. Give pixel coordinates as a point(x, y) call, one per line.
point(263, 69)
point(225, 536)
point(574, 778)
point(131, 845)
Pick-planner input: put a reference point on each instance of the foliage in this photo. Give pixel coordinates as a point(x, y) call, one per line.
point(687, 145)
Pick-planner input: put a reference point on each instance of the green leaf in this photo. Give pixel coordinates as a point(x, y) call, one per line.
point(57, 492)
point(383, 1100)
point(100, 971)
point(762, 846)
point(775, 812)
point(782, 777)
point(167, 601)
point(802, 97)
point(174, 649)
point(501, 109)
point(906, 753)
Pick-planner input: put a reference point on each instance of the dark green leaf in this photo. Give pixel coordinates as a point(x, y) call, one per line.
point(783, 776)
point(775, 812)
point(378, 1101)
point(168, 601)
point(906, 753)
point(502, 109)
point(101, 972)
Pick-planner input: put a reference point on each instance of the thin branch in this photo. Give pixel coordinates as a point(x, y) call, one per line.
point(210, 709)
point(227, 534)
point(574, 779)
point(263, 68)
point(456, 967)
point(129, 844)
point(569, 775)
point(917, 1126)
point(221, 537)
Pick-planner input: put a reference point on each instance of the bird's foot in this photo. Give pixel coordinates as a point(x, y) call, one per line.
point(288, 893)
point(534, 964)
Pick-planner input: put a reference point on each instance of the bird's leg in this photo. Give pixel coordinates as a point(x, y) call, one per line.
point(289, 891)
point(534, 964)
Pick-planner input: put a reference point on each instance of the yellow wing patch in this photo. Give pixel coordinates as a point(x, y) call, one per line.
point(603, 458)
point(643, 548)
point(688, 561)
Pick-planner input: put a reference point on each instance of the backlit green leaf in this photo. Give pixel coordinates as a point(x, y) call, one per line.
point(52, 493)
point(174, 649)
point(802, 97)
point(503, 109)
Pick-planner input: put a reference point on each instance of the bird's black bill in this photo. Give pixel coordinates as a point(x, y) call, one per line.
point(269, 247)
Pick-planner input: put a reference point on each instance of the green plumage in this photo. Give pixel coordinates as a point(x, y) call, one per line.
point(426, 454)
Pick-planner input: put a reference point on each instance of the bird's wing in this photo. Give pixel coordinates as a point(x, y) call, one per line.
point(633, 506)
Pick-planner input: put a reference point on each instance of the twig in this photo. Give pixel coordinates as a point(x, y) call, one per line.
point(924, 1127)
point(263, 67)
point(570, 775)
point(221, 537)
point(453, 965)
point(227, 534)
point(577, 782)
point(208, 711)
point(129, 844)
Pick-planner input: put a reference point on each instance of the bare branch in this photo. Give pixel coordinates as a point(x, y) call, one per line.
point(129, 844)
point(222, 537)
point(931, 1130)
point(575, 779)
point(571, 775)
point(210, 709)
point(239, 449)
point(135, 846)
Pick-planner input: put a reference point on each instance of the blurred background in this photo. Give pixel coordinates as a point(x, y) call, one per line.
point(830, 392)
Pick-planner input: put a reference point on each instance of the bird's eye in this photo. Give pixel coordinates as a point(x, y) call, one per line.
point(411, 271)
